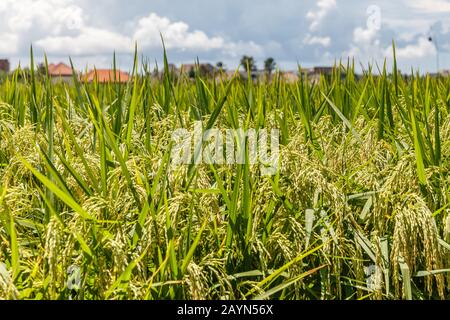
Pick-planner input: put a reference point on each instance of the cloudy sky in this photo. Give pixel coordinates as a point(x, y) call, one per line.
point(291, 31)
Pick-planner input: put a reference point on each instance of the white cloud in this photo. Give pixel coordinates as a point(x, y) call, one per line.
point(62, 27)
point(176, 35)
point(235, 49)
point(315, 40)
point(406, 36)
point(365, 43)
point(25, 20)
point(430, 6)
point(52, 16)
point(316, 17)
point(89, 41)
point(421, 49)
point(364, 36)
point(411, 24)
point(8, 44)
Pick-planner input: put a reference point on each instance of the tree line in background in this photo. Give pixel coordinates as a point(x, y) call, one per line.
point(249, 64)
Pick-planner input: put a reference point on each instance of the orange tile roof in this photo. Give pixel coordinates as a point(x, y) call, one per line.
point(59, 69)
point(106, 75)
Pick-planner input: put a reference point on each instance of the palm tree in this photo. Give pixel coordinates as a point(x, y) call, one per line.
point(269, 65)
point(220, 65)
point(248, 63)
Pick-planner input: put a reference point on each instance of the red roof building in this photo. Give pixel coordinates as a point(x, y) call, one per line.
point(59, 70)
point(106, 75)
point(4, 65)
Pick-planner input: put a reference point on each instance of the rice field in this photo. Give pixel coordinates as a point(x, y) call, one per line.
point(91, 206)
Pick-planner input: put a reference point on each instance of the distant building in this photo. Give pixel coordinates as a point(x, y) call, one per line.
point(225, 75)
point(4, 65)
point(254, 75)
point(187, 68)
point(205, 69)
point(304, 72)
point(313, 74)
point(323, 70)
point(172, 67)
point(289, 76)
point(60, 72)
point(106, 75)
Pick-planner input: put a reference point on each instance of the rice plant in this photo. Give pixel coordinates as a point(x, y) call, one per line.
point(91, 206)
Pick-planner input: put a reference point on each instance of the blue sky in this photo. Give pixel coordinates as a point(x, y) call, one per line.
point(308, 32)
